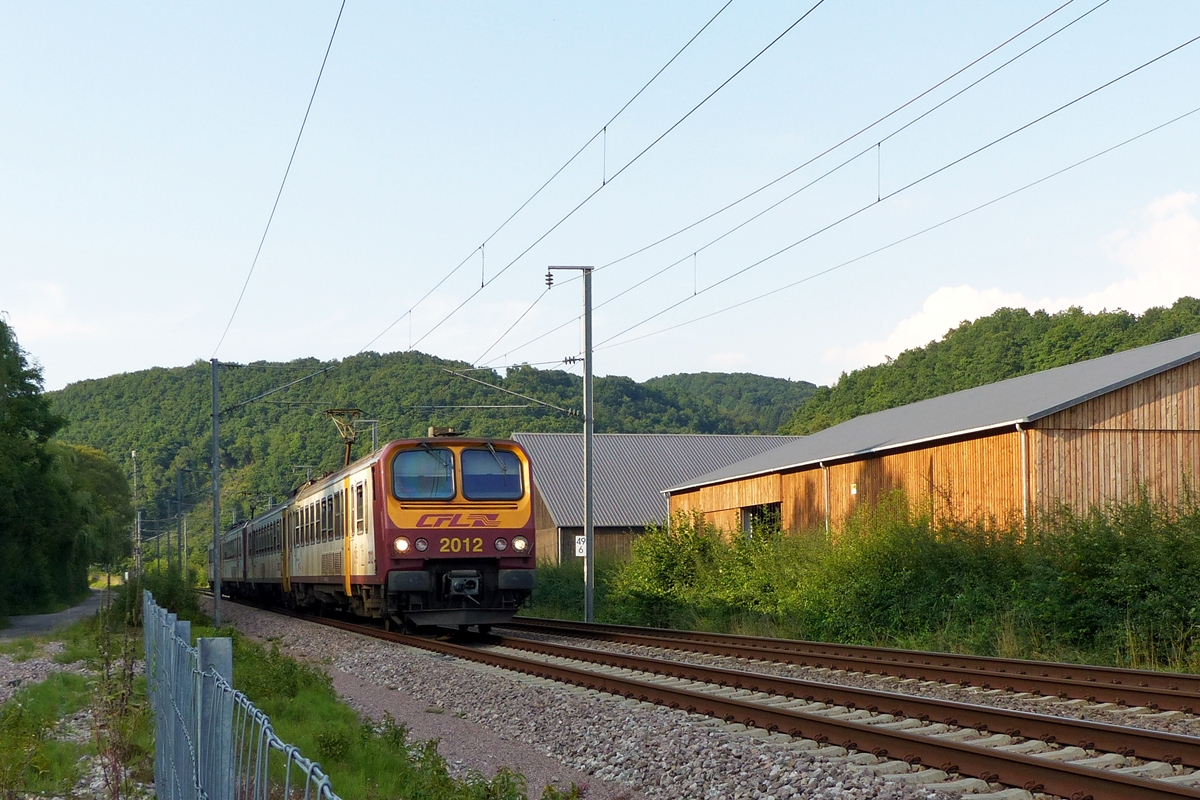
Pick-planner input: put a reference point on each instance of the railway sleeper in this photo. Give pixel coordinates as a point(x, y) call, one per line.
point(942, 779)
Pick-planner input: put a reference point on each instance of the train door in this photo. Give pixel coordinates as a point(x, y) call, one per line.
point(346, 532)
point(285, 547)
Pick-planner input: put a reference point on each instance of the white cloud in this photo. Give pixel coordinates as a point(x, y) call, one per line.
point(727, 362)
point(1162, 259)
point(41, 312)
point(942, 310)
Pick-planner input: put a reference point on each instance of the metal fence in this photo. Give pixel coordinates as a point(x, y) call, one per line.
point(210, 742)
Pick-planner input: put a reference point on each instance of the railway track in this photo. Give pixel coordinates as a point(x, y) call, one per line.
point(944, 745)
point(1165, 691)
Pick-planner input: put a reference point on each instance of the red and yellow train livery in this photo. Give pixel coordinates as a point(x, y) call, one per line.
point(435, 531)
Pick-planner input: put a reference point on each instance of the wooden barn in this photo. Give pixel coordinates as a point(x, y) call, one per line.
point(1080, 435)
point(630, 472)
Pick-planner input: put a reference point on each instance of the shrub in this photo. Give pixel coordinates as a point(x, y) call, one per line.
point(1116, 585)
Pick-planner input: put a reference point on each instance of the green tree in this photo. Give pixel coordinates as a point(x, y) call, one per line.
point(43, 554)
point(1005, 344)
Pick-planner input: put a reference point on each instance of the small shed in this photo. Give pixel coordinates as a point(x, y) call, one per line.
point(1081, 435)
point(631, 470)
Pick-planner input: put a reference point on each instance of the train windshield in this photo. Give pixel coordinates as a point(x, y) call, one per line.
point(491, 475)
point(425, 474)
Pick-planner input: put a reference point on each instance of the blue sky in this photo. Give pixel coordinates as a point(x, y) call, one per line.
point(144, 145)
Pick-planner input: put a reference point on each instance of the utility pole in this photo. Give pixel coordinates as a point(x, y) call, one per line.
point(216, 497)
point(589, 427)
point(179, 519)
point(137, 520)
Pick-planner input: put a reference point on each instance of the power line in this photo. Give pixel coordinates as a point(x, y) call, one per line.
point(911, 236)
point(515, 323)
point(566, 411)
point(827, 151)
point(907, 186)
point(601, 132)
point(282, 183)
point(877, 122)
point(627, 165)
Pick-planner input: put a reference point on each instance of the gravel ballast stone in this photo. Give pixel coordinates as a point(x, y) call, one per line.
point(488, 717)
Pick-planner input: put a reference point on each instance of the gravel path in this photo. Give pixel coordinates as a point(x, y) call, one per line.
point(487, 717)
point(32, 624)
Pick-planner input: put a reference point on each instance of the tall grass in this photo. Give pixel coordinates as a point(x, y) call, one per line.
point(1119, 585)
point(365, 760)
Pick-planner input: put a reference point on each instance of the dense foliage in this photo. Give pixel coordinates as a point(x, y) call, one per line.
point(755, 403)
point(270, 446)
point(1006, 344)
point(1117, 585)
point(61, 507)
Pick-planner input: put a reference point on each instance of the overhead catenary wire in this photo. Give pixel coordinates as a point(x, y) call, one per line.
point(282, 183)
point(874, 124)
point(906, 187)
point(825, 152)
point(909, 237)
point(603, 131)
point(566, 411)
point(516, 322)
point(615, 175)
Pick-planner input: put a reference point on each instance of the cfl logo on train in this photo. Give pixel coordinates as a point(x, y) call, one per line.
point(459, 521)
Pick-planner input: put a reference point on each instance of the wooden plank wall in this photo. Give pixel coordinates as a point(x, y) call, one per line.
point(545, 531)
point(1104, 450)
point(973, 479)
point(967, 479)
point(722, 503)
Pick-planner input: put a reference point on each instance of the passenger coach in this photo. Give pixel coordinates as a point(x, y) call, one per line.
point(435, 531)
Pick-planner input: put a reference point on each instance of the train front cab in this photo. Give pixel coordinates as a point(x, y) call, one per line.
point(457, 533)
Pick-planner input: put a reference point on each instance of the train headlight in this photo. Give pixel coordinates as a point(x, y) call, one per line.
point(520, 544)
point(422, 545)
point(402, 545)
point(501, 544)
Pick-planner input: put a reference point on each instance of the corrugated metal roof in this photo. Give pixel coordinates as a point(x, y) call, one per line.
point(631, 470)
point(1016, 400)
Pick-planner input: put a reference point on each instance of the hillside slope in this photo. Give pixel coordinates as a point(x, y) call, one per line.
point(1008, 343)
point(269, 446)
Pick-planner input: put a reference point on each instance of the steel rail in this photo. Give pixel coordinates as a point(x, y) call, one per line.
point(1013, 769)
point(1114, 675)
point(1164, 690)
point(1143, 743)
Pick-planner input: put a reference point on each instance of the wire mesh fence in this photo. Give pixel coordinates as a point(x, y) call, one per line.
point(211, 743)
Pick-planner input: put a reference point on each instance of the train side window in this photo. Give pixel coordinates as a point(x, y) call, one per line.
point(339, 525)
point(360, 509)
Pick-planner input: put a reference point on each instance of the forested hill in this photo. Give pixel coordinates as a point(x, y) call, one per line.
point(270, 445)
point(754, 403)
point(1008, 343)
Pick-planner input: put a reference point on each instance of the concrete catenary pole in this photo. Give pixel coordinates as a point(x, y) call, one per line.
point(589, 427)
point(216, 497)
